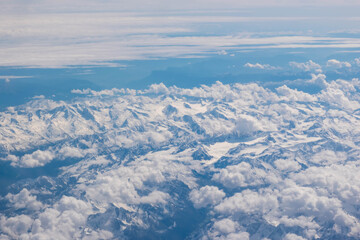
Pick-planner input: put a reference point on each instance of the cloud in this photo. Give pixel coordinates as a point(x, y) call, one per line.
point(294, 95)
point(333, 63)
point(247, 125)
point(287, 165)
point(60, 222)
point(104, 53)
point(36, 159)
point(155, 197)
point(337, 97)
point(225, 226)
point(126, 186)
point(15, 226)
point(8, 79)
point(208, 195)
point(260, 66)
point(158, 89)
point(328, 157)
point(308, 66)
point(336, 180)
point(102, 38)
point(71, 152)
point(38, 97)
point(357, 61)
point(24, 200)
point(239, 235)
point(222, 52)
point(318, 79)
point(248, 201)
point(226, 229)
point(38, 6)
point(280, 159)
point(243, 175)
point(292, 236)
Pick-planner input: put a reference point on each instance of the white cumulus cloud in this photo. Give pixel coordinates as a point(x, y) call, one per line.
point(280, 159)
point(333, 63)
point(308, 66)
point(260, 66)
point(208, 195)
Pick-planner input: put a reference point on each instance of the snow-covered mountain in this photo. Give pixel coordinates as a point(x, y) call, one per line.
point(213, 162)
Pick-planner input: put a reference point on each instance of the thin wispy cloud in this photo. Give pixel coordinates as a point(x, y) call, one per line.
point(163, 5)
point(9, 78)
point(260, 66)
point(103, 49)
point(31, 37)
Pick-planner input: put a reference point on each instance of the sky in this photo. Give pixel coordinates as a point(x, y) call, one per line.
point(66, 5)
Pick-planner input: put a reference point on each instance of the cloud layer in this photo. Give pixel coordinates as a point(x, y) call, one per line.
point(231, 156)
point(103, 38)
